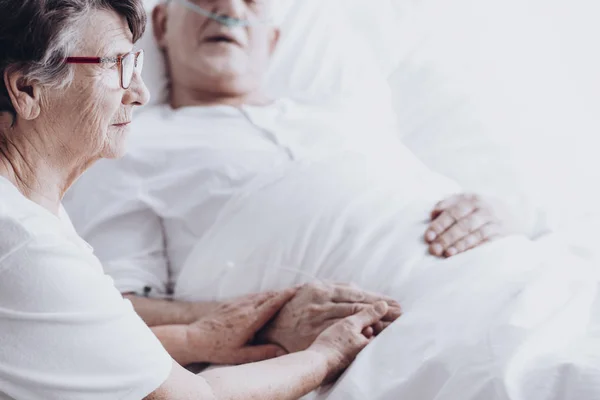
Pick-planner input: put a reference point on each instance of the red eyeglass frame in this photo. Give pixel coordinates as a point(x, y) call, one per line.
point(109, 60)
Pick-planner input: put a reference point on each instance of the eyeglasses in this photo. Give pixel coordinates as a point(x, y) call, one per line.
point(128, 64)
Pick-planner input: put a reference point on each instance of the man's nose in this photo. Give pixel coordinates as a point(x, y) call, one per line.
point(230, 8)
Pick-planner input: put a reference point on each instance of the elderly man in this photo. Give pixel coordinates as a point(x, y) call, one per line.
point(225, 176)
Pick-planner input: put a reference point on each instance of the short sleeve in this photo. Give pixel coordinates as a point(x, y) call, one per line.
point(67, 333)
point(108, 210)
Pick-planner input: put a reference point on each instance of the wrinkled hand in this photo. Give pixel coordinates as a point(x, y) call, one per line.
point(316, 307)
point(461, 223)
point(341, 343)
point(224, 336)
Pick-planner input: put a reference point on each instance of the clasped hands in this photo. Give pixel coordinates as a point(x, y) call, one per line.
point(268, 325)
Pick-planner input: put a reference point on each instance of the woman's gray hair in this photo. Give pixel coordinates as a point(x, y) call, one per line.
point(37, 35)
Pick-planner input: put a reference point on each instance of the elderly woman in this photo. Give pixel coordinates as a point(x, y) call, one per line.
point(71, 80)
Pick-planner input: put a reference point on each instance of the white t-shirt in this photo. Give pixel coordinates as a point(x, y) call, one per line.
point(65, 331)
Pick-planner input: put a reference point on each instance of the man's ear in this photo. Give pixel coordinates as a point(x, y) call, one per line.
point(276, 34)
point(24, 94)
point(159, 24)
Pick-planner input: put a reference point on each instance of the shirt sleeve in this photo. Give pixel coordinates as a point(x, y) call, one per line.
point(109, 210)
point(67, 333)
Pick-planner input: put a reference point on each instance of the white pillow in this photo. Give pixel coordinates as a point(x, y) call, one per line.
point(327, 47)
point(154, 72)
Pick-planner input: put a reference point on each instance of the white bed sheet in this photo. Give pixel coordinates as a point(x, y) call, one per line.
point(515, 319)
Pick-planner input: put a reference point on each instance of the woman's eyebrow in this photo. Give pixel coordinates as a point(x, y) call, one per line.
point(115, 52)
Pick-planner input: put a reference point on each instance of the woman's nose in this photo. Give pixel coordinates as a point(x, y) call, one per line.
point(138, 93)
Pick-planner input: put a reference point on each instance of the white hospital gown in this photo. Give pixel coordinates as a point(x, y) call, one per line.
point(300, 186)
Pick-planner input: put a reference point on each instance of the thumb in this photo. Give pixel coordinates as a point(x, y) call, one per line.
point(436, 213)
point(251, 354)
point(443, 205)
point(267, 310)
point(370, 316)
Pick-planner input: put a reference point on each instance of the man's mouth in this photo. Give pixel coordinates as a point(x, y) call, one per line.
point(221, 39)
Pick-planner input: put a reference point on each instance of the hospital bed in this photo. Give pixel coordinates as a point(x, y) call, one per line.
point(501, 97)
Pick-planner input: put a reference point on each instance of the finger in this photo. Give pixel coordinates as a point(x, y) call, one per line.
point(482, 235)
point(377, 327)
point(351, 294)
point(393, 314)
point(348, 284)
point(448, 218)
point(369, 316)
point(439, 226)
point(380, 328)
point(343, 310)
point(443, 205)
point(467, 243)
point(267, 310)
point(368, 332)
point(463, 227)
point(458, 231)
point(465, 240)
point(251, 354)
point(263, 298)
point(254, 299)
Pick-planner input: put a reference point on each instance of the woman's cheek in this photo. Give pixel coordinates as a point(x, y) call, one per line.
point(95, 119)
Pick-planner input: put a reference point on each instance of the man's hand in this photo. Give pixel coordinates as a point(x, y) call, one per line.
point(341, 343)
point(224, 335)
point(461, 223)
point(316, 307)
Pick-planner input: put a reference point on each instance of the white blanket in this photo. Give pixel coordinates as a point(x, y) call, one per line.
point(514, 319)
point(500, 322)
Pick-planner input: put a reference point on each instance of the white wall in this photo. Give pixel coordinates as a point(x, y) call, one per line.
point(525, 73)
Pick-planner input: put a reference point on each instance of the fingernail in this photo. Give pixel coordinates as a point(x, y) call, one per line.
point(430, 236)
point(437, 249)
point(451, 251)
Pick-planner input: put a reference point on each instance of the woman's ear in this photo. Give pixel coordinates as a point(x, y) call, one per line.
point(159, 24)
point(24, 94)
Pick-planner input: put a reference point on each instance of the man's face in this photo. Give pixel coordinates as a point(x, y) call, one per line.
point(203, 54)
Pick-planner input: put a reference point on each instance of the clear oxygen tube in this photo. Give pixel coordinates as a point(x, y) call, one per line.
point(230, 22)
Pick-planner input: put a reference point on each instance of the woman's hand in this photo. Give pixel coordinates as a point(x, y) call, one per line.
point(463, 222)
point(289, 377)
point(341, 343)
point(316, 307)
point(224, 336)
